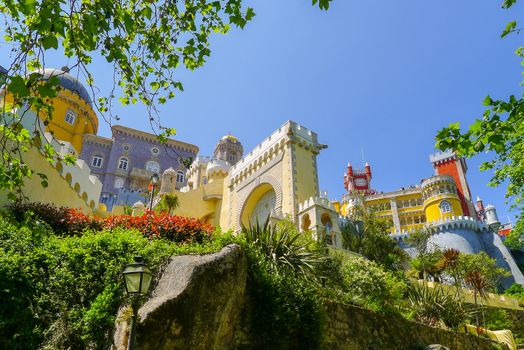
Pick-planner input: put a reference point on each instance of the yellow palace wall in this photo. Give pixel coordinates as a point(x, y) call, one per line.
point(58, 191)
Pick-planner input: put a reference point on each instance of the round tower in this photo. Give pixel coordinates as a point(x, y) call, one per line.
point(440, 197)
point(229, 149)
point(492, 219)
point(367, 170)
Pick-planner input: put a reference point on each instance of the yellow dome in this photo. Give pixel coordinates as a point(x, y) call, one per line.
point(230, 138)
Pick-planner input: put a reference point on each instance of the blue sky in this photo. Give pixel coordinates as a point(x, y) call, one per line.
point(378, 76)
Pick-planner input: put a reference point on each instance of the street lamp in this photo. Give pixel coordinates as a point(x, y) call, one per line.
point(154, 180)
point(137, 278)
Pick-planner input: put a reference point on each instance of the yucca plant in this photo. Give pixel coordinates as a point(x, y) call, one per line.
point(284, 249)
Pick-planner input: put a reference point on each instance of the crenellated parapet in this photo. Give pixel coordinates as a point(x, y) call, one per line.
point(457, 223)
point(272, 147)
point(318, 201)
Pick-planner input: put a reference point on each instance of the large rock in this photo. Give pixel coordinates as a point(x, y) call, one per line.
point(196, 303)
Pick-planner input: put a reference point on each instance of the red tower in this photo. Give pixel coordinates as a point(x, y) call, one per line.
point(448, 163)
point(480, 209)
point(358, 181)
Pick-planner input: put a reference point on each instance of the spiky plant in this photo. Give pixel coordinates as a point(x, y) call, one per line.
point(284, 249)
point(434, 306)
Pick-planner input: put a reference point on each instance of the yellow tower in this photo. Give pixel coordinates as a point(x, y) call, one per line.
point(440, 197)
point(73, 115)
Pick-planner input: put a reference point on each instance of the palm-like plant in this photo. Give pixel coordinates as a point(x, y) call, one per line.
point(168, 202)
point(283, 248)
point(450, 263)
point(480, 285)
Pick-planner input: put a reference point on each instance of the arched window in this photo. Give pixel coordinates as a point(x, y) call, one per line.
point(180, 176)
point(232, 157)
point(153, 167)
point(123, 162)
point(445, 207)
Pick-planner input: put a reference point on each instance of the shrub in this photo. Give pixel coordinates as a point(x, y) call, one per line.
point(67, 221)
point(63, 221)
point(287, 309)
point(170, 227)
point(63, 292)
point(366, 281)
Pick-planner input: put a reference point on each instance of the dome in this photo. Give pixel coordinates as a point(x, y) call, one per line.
point(229, 137)
point(67, 81)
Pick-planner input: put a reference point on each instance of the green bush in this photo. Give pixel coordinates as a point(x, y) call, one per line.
point(63, 292)
point(377, 289)
point(287, 309)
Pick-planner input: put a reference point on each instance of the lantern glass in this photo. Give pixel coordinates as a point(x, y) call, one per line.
point(154, 178)
point(137, 277)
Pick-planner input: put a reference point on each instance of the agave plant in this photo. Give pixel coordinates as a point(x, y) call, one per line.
point(283, 248)
point(434, 306)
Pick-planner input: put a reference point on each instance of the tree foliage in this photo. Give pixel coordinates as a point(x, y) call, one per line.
point(144, 43)
point(500, 133)
point(364, 234)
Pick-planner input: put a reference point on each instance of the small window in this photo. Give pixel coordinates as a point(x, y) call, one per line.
point(97, 161)
point(126, 147)
point(153, 167)
point(445, 207)
point(179, 176)
point(204, 180)
point(70, 117)
point(123, 163)
point(155, 150)
point(119, 183)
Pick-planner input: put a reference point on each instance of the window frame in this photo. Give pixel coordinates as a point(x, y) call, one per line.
point(69, 113)
point(120, 162)
point(445, 207)
point(157, 166)
point(180, 174)
point(97, 157)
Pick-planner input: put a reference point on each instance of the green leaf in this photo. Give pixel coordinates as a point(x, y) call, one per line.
point(509, 28)
point(50, 42)
point(17, 87)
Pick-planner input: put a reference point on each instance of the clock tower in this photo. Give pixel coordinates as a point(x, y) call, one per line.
point(358, 181)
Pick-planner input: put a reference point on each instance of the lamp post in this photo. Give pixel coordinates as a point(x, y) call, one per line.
point(154, 180)
point(137, 278)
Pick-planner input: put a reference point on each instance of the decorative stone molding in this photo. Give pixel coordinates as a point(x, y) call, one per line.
point(264, 179)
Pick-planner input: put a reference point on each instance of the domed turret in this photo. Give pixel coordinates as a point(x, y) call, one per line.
point(168, 181)
point(229, 149)
point(67, 81)
point(492, 219)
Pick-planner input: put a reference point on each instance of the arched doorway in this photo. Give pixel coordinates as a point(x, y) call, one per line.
point(259, 204)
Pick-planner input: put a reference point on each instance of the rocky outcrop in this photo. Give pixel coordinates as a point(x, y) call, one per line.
point(201, 302)
point(196, 304)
